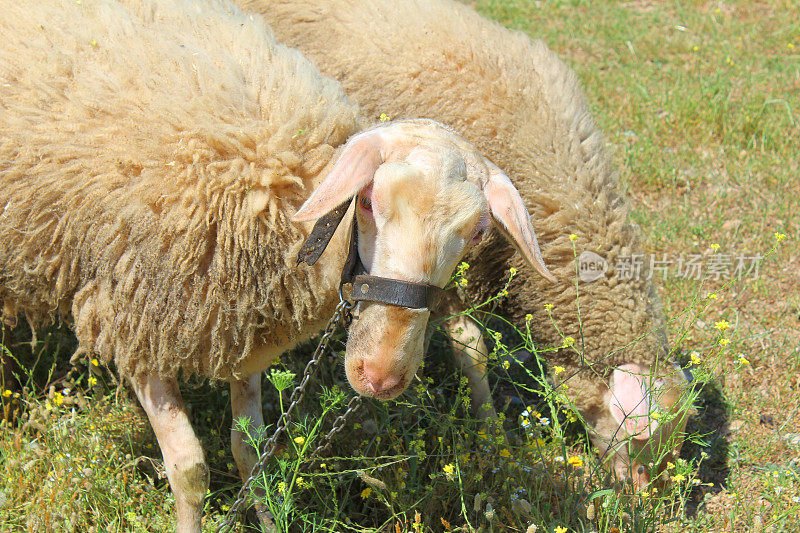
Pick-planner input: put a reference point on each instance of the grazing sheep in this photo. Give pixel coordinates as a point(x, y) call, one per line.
point(153, 157)
point(524, 108)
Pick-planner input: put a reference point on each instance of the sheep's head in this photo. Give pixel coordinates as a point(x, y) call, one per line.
point(643, 423)
point(424, 195)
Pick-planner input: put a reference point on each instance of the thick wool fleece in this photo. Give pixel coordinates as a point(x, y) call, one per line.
point(151, 154)
point(521, 106)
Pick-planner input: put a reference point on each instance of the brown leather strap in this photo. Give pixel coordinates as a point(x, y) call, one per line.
point(321, 235)
point(352, 264)
point(395, 292)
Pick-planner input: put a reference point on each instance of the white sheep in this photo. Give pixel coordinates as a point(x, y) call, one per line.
point(152, 156)
point(518, 103)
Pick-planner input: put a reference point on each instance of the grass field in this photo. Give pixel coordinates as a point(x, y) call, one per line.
point(701, 103)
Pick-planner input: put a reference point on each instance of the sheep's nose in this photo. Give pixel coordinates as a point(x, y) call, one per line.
point(378, 380)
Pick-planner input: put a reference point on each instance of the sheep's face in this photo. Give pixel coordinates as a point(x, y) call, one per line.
point(424, 195)
point(643, 424)
point(415, 222)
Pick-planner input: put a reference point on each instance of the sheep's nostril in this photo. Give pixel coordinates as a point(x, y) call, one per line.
point(378, 381)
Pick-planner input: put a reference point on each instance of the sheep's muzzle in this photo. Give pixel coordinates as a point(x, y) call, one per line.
point(384, 349)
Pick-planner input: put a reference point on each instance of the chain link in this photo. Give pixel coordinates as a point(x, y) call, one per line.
point(340, 314)
point(338, 425)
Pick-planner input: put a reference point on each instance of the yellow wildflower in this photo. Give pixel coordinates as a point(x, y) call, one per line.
point(779, 236)
point(506, 364)
point(722, 325)
point(568, 341)
point(58, 398)
point(505, 453)
point(561, 529)
point(677, 478)
point(449, 470)
point(7, 393)
point(712, 296)
point(513, 271)
point(715, 247)
point(695, 358)
point(95, 362)
point(558, 369)
point(575, 461)
point(300, 440)
point(573, 237)
point(548, 306)
point(281, 487)
point(724, 342)
point(365, 493)
point(92, 380)
point(384, 117)
point(743, 360)
point(695, 48)
point(528, 317)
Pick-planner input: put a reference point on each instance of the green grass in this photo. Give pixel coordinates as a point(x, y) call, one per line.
point(82, 457)
point(701, 103)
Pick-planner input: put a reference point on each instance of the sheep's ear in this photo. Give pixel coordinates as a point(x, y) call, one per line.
point(630, 401)
point(353, 170)
point(509, 212)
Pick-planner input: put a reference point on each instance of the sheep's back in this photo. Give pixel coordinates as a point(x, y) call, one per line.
point(150, 156)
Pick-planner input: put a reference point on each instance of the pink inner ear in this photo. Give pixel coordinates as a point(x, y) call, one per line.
point(630, 401)
point(509, 211)
point(353, 170)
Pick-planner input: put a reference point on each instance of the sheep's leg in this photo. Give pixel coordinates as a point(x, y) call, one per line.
point(246, 403)
point(184, 462)
point(471, 354)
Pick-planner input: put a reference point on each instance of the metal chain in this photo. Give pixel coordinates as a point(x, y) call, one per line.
point(340, 314)
point(338, 425)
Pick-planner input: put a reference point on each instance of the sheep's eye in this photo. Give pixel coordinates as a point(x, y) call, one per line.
point(478, 236)
point(365, 202)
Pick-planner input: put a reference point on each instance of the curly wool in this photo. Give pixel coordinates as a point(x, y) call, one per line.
point(515, 100)
point(151, 153)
